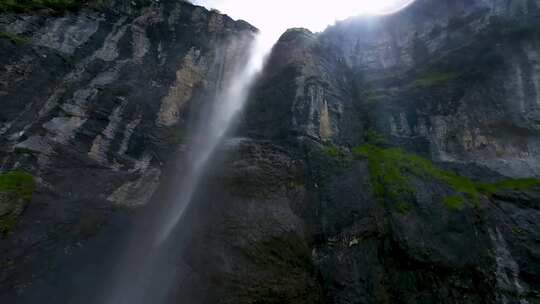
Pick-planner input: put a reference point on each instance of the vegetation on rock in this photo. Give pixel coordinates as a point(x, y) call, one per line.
point(392, 168)
point(16, 189)
point(372, 137)
point(509, 185)
point(333, 151)
point(13, 38)
point(24, 6)
point(454, 202)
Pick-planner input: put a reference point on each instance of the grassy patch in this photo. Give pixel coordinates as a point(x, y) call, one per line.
point(13, 38)
point(386, 170)
point(25, 6)
point(391, 168)
point(374, 138)
point(455, 202)
point(338, 158)
point(432, 79)
point(333, 151)
point(509, 184)
point(16, 189)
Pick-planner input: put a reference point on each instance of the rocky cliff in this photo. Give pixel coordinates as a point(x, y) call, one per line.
point(389, 159)
point(95, 101)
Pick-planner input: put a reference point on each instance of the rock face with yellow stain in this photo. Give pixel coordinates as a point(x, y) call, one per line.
point(95, 103)
point(450, 83)
point(187, 79)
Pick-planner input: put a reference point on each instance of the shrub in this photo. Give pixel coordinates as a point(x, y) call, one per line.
point(16, 189)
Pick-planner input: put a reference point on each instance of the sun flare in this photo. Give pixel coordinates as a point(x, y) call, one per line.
point(274, 17)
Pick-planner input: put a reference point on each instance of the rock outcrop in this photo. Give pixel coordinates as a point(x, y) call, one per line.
point(450, 218)
point(95, 102)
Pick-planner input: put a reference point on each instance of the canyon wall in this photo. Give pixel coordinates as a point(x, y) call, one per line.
point(388, 159)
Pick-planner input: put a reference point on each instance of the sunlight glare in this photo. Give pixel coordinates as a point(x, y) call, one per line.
point(275, 16)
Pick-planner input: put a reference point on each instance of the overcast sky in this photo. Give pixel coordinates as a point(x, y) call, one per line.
point(273, 17)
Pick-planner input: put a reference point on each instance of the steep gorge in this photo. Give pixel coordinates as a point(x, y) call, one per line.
point(388, 159)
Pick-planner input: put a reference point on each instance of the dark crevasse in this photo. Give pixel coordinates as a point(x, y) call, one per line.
point(388, 159)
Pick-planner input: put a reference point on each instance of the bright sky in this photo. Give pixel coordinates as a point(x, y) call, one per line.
point(273, 17)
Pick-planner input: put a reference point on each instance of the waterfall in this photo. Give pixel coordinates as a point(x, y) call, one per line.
point(225, 108)
point(145, 270)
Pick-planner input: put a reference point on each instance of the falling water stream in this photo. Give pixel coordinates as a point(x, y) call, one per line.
point(144, 274)
point(148, 269)
point(225, 108)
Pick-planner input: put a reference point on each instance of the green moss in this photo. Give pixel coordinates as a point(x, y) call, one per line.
point(455, 202)
point(17, 182)
point(391, 168)
point(333, 151)
point(374, 138)
point(16, 189)
point(432, 79)
point(516, 230)
point(509, 184)
point(13, 38)
point(24, 6)
point(403, 208)
point(386, 171)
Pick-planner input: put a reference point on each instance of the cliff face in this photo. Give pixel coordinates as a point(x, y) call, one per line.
point(389, 159)
point(94, 102)
point(446, 219)
point(449, 76)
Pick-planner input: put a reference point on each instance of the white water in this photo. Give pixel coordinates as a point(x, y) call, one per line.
point(148, 268)
point(144, 272)
point(225, 109)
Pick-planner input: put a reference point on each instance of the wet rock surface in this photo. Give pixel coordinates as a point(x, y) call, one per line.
point(449, 81)
point(95, 102)
point(295, 209)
